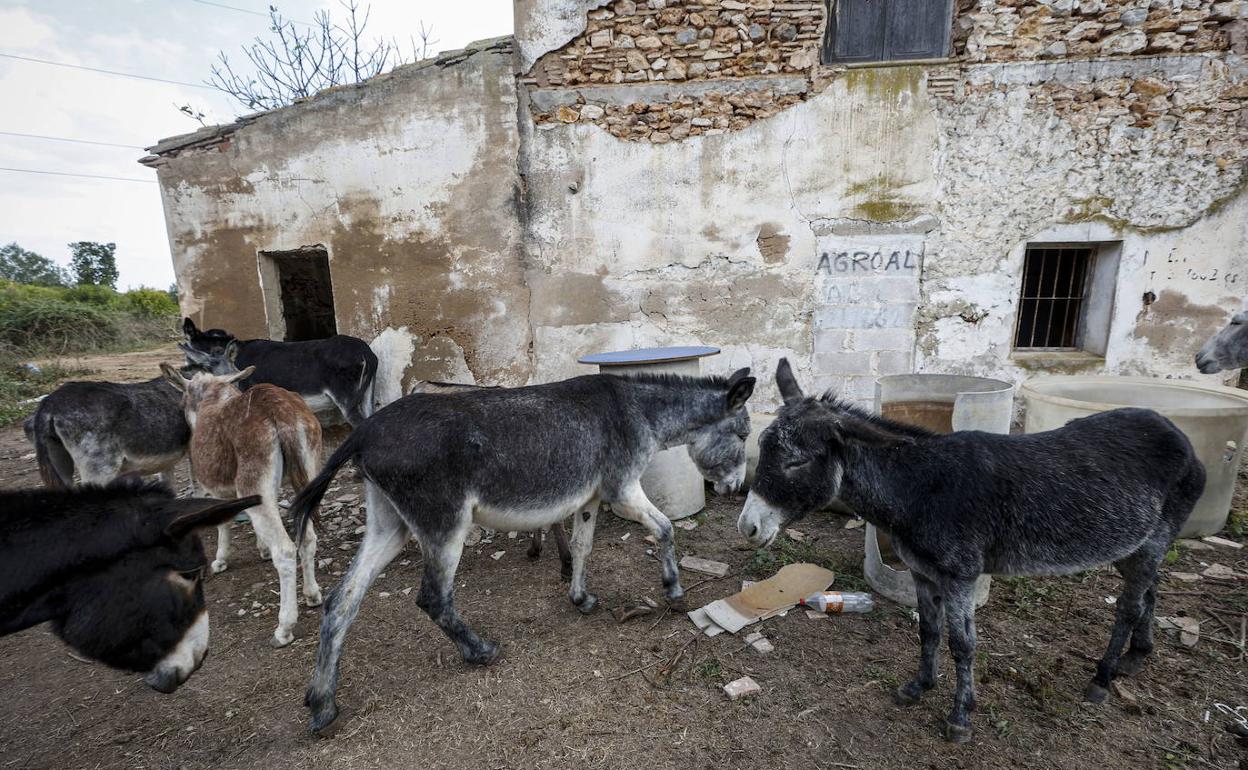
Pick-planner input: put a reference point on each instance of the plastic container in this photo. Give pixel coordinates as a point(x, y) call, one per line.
point(943, 403)
point(837, 602)
point(1214, 418)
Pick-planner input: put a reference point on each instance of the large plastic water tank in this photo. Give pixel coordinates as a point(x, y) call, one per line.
point(1214, 418)
point(943, 403)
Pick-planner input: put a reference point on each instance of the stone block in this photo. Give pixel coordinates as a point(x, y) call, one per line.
point(830, 340)
point(899, 315)
point(842, 363)
point(881, 339)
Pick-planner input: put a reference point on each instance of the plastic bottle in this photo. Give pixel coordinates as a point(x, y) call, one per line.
point(835, 601)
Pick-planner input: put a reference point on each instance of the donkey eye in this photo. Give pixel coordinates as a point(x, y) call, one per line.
point(195, 574)
point(796, 465)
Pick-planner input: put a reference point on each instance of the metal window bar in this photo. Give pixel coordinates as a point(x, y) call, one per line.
point(1051, 300)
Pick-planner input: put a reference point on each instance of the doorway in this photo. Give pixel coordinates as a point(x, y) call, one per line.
point(298, 294)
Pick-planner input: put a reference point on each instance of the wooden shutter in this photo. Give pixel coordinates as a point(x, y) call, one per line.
point(886, 30)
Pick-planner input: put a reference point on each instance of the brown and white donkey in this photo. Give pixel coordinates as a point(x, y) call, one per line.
point(246, 443)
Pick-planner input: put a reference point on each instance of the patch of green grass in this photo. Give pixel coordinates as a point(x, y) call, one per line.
point(709, 669)
point(1172, 556)
point(1237, 524)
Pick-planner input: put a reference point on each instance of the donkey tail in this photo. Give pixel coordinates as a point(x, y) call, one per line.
point(303, 507)
point(56, 466)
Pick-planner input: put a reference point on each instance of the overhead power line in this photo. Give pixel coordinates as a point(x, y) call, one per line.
point(245, 10)
point(103, 71)
point(85, 176)
point(67, 139)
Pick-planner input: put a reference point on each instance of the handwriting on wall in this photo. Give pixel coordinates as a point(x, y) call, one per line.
point(1174, 267)
point(862, 262)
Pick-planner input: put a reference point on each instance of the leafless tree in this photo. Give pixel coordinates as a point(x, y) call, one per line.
point(292, 64)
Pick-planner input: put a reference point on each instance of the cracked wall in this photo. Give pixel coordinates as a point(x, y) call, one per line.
point(409, 181)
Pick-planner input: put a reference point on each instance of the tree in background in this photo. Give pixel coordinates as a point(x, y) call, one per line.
point(24, 266)
point(94, 264)
point(291, 65)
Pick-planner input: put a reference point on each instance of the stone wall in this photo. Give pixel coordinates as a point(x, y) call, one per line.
point(1021, 30)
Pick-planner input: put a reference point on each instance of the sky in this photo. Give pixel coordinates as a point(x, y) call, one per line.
point(168, 39)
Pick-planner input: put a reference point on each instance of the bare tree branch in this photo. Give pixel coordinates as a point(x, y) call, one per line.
point(291, 65)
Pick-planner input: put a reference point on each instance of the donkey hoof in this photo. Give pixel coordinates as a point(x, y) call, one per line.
point(485, 654)
point(907, 695)
point(323, 715)
point(1095, 693)
point(313, 599)
point(219, 566)
point(281, 639)
point(676, 599)
point(587, 604)
point(956, 733)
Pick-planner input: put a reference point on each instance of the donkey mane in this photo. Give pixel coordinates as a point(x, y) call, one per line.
point(837, 404)
point(89, 494)
point(682, 381)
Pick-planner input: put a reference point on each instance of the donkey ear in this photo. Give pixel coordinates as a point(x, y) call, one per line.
point(790, 391)
point(231, 353)
point(740, 388)
point(244, 374)
point(188, 327)
point(858, 430)
point(174, 377)
point(193, 356)
point(190, 514)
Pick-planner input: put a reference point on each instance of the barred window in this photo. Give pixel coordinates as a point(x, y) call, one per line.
point(886, 30)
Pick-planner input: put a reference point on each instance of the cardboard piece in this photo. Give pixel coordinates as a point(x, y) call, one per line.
point(762, 600)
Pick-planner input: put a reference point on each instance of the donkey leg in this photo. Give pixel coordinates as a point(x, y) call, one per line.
point(931, 616)
point(959, 601)
point(1139, 572)
point(1141, 637)
point(565, 555)
point(441, 551)
point(535, 545)
point(384, 537)
point(582, 541)
point(222, 560)
point(634, 505)
point(307, 558)
point(267, 522)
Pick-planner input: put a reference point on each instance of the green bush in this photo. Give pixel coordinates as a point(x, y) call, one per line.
point(92, 295)
point(55, 326)
point(149, 303)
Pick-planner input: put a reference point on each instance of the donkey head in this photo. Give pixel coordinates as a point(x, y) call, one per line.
point(197, 360)
point(203, 388)
point(718, 447)
point(1226, 350)
point(145, 612)
point(213, 341)
point(801, 459)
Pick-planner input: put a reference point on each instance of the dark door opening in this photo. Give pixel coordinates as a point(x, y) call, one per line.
point(305, 292)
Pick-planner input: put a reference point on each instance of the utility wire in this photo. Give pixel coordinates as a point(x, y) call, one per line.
point(245, 10)
point(85, 176)
point(103, 71)
point(67, 139)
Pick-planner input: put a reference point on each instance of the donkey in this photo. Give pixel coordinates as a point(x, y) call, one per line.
point(245, 443)
point(1226, 350)
point(117, 570)
point(556, 529)
point(1114, 487)
point(105, 429)
point(517, 459)
point(334, 375)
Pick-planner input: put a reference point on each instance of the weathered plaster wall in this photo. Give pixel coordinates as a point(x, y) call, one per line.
point(409, 181)
point(903, 196)
point(718, 239)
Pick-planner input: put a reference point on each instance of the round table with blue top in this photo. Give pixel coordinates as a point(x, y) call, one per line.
point(672, 482)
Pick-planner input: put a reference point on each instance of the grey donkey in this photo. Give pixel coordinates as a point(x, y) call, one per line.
point(1111, 488)
point(556, 529)
point(105, 429)
point(517, 459)
point(1226, 350)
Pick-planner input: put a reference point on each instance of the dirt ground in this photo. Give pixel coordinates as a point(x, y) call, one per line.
point(589, 692)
